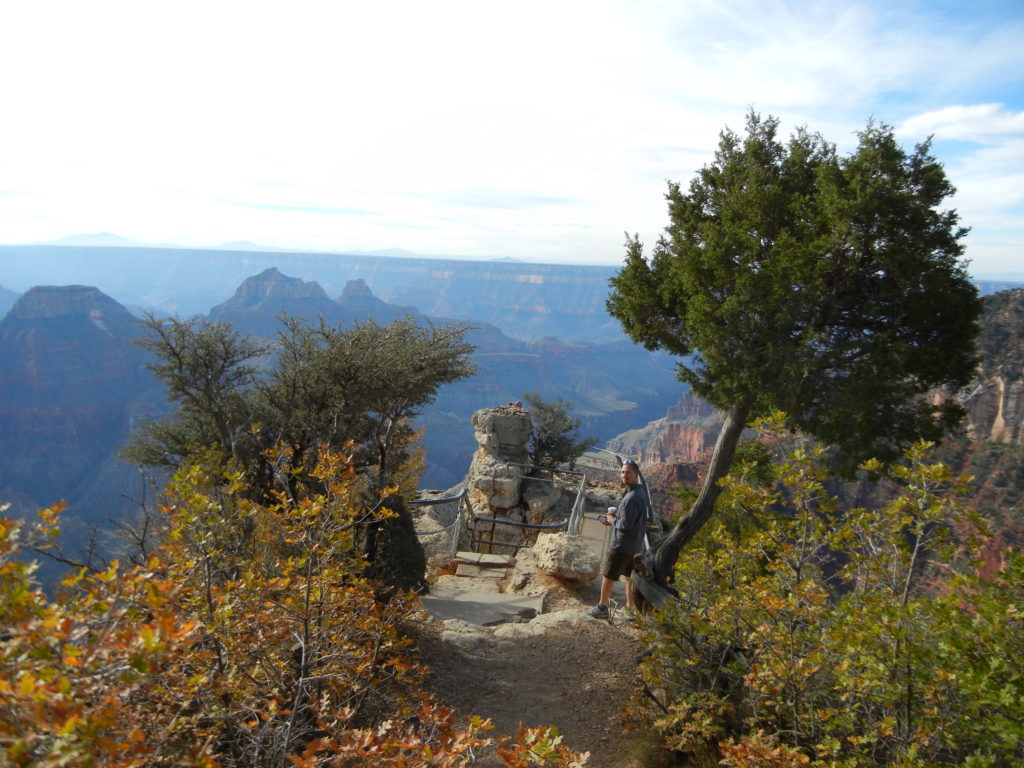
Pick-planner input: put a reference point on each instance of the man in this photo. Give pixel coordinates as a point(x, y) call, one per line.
point(629, 524)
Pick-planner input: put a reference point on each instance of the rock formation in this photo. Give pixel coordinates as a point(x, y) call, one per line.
point(260, 301)
point(502, 486)
point(687, 428)
point(500, 482)
point(500, 460)
point(995, 400)
point(992, 446)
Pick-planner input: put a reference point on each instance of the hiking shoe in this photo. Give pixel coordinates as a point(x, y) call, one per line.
point(599, 611)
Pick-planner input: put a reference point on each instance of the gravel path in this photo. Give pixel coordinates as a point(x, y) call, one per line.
point(577, 674)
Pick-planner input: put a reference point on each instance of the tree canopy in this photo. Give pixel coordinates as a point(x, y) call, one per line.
point(271, 411)
point(317, 386)
point(555, 438)
point(792, 279)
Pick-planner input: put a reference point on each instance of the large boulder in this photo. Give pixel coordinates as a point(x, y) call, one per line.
point(566, 556)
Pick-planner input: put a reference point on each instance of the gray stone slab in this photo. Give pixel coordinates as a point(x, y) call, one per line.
point(485, 559)
point(480, 572)
point(480, 607)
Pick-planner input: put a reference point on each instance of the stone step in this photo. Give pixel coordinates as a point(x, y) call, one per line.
point(477, 571)
point(485, 560)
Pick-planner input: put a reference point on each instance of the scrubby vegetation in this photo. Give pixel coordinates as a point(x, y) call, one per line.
point(250, 637)
point(808, 637)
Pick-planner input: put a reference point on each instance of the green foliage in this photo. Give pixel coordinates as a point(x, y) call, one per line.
point(555, 439)
point(325, 387)
point(830, 288)
point(866, 639)
point(363, 384)
point(209, 371)
point(356, 390)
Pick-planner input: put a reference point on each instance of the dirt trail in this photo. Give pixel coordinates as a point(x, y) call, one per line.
point(577, 677)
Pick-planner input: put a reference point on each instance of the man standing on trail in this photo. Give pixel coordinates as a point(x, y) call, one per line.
point(629, 524)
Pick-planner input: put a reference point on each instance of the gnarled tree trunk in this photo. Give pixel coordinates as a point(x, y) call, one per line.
point(653, 569)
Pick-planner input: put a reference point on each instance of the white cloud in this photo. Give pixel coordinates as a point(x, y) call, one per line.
point(980, 123)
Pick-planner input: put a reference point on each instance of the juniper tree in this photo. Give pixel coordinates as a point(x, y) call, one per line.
point(326, 389)
point(317, 386)
point(555, 437)
point(789, 278)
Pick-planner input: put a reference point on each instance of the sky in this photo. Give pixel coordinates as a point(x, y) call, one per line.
point(538, 131)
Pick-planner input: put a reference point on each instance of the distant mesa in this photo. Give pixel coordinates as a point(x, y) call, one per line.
point(99, 239)
point(355, 288)
point(261, 300)
point(48, 301)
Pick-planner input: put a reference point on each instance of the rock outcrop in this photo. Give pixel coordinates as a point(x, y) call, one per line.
point(500, 460)
point(501, 483)
point(995, 400)
point(992, 447)
point(680, 437)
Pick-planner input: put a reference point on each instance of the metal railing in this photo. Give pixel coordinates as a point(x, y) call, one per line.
point(516, 545)
point(482, 528)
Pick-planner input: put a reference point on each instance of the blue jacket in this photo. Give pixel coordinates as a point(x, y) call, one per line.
point(630, 521)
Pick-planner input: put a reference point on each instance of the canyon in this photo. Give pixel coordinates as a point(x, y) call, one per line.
point(73, 385)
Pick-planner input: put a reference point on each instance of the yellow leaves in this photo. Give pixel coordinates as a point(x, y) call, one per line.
point(72, 656)
point(873, 465)
point(761, 750)
point(26, 684)
point(108, 575)
point(69, 725)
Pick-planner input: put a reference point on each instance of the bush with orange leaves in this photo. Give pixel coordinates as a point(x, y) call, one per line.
point(249, 638)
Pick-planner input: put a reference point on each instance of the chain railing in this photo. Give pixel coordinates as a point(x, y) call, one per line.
point(450, 547)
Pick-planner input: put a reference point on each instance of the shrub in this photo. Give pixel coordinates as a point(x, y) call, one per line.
point(866, 638)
